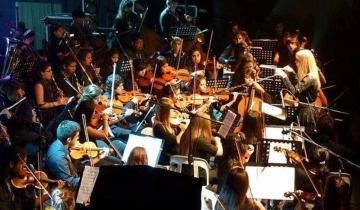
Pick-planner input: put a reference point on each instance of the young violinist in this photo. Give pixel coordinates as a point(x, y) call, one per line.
point(198, 139)
point(13, 166)
point(173, 55)
point(164, 130)
point(108, 65)
point(48, 96)
point(58, 162)
point(97, 119)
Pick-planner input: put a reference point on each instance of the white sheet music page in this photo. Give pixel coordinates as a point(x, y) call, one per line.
point(87, 184)
point(273, 111)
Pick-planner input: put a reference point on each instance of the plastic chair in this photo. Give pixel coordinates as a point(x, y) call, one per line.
point(176, 162)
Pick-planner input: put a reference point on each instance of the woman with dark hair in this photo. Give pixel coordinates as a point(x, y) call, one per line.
point(107, 67)
point(48, 96)
point(336, 194)
point(86, 59)
point(236, 152)
point(233, 193)
point(198, 139)
point(138, 156)
point(164, 130)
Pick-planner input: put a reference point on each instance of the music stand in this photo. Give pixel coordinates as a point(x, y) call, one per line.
point(231, 119)
point(153, 147)
point(290, 113)
point(270, 182)
point(123, 68)
point(272, 85)
point(220, 83)
point(268, 155)
point(265, 44)
point(184, 32)
point(261, 55)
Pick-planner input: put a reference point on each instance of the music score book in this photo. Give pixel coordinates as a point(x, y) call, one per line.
point(87, 183)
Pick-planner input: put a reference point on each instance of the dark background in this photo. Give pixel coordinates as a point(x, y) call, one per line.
point(333, 27)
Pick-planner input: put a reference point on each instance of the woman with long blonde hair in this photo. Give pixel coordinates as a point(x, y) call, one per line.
point(198, 138)
point(305, 85)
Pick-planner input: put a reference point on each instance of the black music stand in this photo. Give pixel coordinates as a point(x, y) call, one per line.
point(220, 83)
point(261, 55)
point(265, 149)
point(231, 119)
point(144, 187)
point(265, 44)
point(273, 85)
point(290, 112)
point(123, 68)
point(184, 32)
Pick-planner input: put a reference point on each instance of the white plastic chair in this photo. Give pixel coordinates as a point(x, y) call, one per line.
point(176, 162)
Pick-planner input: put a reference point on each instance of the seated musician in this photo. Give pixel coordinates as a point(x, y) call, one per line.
point(12, 168)
point(106, 68)
point(173, 55)
point(22, 121)
point(68, 75)
point(198, 139)
point(48, 96)
point(137, 50)
point(163, 129)
point(86, 59)
point(97, 124)
point(196, 61)
point(229, 54)
point(58, 162)
point(138, 157)
point(143, 77)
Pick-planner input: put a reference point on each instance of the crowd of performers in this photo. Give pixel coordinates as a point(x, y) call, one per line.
point(76, 96)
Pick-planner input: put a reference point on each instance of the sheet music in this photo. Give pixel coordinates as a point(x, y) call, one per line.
point(278, 157)
point(273, 111)
point(228, 121)
point(88, 180)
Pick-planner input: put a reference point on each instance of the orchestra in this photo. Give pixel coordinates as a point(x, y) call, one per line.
point(177, 92)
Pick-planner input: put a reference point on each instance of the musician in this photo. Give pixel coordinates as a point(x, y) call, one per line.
point(169, 17)
point(58, 162)
point(57, 47)
point(233, 193)
point(164, 130)
point(22, 121)
point(172, 56)
point(305, 86)
point(48, 95)
point(198, 139)
point(197, 61)
point(86, 105)
point(27, 55)
point(68, 75)
point(107, 67)
point(11, 166)
point(86, 59)
point(229, 54)
point(137, 50)
point(137, 157)
point(285, 50)
point(81, 30)
point(236, 152)
point(337, 194)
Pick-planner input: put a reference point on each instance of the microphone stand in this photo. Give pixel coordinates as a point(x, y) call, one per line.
point(311, 141)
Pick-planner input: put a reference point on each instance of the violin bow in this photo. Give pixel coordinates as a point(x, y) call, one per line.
point(112, 86)
point(152, 83)
point(83, 117)
point(208, 50)
point(178, 61)
point(34, 176)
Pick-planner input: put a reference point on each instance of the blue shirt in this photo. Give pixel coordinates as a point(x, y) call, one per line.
point(59, 164)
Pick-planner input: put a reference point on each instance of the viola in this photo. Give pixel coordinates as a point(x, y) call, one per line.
point(145, 81)
point(87, 148)
point(30, 180)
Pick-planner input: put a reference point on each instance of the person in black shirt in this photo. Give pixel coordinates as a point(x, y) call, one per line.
point(57, 47)
point(67, 80)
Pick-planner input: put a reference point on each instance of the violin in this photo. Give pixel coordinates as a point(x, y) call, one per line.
point(176, 117)
point(30, 180)
point(87, 148)
point(145, 81)
point(168, 73)
point(127, 96)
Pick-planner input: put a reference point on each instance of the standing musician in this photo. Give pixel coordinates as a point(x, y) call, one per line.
point(13, 167)
point(305, 85)
point(86, 59)
point(169, 17)
point(68, 75)
point(57, 47)
point(163, 129)
point(81, 30)
point(48, 96)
